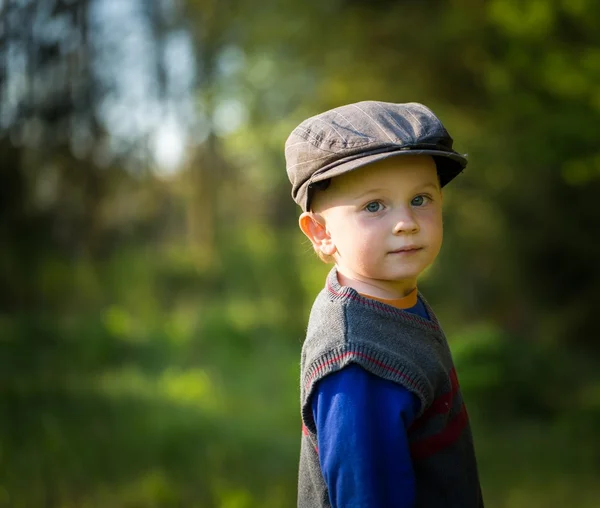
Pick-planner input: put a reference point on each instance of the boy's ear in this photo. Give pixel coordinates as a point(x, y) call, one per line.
point(313, 226)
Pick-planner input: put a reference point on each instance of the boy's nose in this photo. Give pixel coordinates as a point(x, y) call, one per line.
point(406, 224)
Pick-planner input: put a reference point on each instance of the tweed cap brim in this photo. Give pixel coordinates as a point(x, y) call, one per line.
point(449, 165)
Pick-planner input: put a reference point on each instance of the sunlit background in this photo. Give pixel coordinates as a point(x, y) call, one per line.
point(154, 286)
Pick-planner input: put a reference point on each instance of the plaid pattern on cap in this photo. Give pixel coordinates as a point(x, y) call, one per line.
point(351, 136)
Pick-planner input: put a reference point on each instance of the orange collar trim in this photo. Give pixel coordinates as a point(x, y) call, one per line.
point(406, 302)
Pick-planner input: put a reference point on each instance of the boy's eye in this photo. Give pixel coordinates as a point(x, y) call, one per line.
point(373, 206)
point(418, 200)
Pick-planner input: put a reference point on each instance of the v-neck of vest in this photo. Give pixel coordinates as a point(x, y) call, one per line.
point(339, 292)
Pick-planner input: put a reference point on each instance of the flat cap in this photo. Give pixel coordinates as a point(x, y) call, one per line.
point(351, 136)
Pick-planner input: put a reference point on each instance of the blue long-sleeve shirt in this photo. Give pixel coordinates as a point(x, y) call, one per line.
point(362, 423)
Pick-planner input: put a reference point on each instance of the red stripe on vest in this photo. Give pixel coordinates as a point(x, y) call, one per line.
point(430, 445)
point(362, 355)
point(441, 405)
point(305, 432)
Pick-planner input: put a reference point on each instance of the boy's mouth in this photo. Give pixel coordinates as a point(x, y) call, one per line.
point(407, 249)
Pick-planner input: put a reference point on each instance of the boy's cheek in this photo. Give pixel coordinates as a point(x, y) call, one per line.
point(433, 219)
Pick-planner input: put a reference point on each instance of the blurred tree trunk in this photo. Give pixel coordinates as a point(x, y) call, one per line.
point(208, 169)
point(205, 175)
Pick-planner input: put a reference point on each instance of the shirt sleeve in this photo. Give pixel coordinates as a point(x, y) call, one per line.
point(361, 422)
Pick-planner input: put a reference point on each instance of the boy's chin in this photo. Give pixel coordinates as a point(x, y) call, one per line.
point(393, 276)
point(401, 275)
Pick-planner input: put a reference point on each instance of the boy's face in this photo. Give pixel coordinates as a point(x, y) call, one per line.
point(382, 224)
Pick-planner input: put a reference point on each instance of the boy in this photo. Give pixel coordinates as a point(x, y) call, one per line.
point(384, 424)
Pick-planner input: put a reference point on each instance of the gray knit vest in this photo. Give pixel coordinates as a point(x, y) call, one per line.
point(345, 328)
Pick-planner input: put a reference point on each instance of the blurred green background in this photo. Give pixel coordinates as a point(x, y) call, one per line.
point(154, 286)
